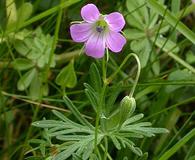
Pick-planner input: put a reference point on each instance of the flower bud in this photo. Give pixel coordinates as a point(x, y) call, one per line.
point(127, 107)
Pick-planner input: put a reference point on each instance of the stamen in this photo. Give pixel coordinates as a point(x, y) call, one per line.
point(99, 29)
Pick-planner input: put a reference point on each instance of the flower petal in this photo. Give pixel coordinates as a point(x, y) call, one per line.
point(115, 41)
point(95, 46)
point(116, 21)
point(80, 32)
point(90, 13)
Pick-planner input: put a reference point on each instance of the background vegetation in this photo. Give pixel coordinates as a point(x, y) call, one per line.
point(39, 63)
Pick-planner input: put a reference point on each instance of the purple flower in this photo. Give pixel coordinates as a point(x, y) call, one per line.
point(99, 31)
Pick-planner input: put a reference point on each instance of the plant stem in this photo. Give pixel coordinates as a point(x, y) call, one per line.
point(55, 39)
point(108, 155)
point(104, 69)
point(99, 111)
point(101, 102)
point(137, 75)
point(119, 68)
point(29, 132)
point(106, 148)
point(111, 77)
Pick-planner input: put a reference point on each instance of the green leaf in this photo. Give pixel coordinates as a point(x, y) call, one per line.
point(21, 47)
point(91, 95)
point(176, 76)
point(172, 20)
point(190, 57)
point(115, 142)
point(65, 119)
point(142, 48)
point(11, 12)
point(136, 150)
point(26, 80)
point(36, 88)
point(137, 9)
point(42, 149)
point(49, 124)
point(76, 112)
point(34, 158)
point(60, 115)
point(24, 12)
point(133, 34)
point(132, 21)
point(67, 153)
point(36, 141)
point(134, 119)
point(88, 151)
point(169, 46)
point(67, 76)
point(144, 156)
point(22, 64)
point(45, 89)
point(76, 157)
point(95, 78)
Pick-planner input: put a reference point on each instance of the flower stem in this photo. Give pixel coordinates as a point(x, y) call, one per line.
point(101, 102)
point(55, 39)
point(99, 111)
point(119, 68)
point(111, 77)
point(104, 69)
point(138, 74)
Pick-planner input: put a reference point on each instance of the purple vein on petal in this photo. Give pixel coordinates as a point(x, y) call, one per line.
point(115, 41)
point(95, 46)
point(90, 13)
point(81, 32)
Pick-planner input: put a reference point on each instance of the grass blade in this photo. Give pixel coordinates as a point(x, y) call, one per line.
point(172, 20)
point(178, 145)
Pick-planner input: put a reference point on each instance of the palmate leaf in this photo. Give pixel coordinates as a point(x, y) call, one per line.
point(172, 19)
point(78, 138)
point(146, 31)
point(36, 47)
point(81, 137)
point(132, 129)
point(141, 13)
